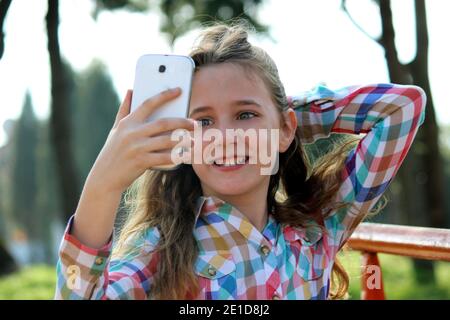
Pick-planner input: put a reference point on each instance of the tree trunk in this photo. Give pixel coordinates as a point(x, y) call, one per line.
point(4, 6)
point(434, 171)
point(7, 263)
point(422, 172)
point(59, 119)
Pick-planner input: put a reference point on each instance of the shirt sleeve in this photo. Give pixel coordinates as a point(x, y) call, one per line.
point(388, 115)
point(88, 273)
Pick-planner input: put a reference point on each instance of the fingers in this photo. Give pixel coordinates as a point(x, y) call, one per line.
point(124, 108)
point(165, 125)
point(164, 143)
point(154, 159)
point(150, 105)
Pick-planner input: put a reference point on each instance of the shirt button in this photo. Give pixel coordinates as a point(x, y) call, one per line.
point(275, 297)
point(265, 250)
point(212, 272)
point(99, 261)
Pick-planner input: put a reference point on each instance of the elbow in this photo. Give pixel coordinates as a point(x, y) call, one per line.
point(420, 102)
point(420, 98)
point(416, 99)
point(413, 93)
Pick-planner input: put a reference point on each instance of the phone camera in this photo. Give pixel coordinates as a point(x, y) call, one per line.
point(162, 68)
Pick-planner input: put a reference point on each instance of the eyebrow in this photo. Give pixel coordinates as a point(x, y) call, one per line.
point(243, 102)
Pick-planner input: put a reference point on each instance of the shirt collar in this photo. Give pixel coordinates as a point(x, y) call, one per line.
point(210, 205)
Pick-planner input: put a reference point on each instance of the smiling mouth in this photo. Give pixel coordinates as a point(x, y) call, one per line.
point(231, 162)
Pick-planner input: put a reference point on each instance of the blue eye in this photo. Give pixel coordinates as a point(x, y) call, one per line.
point(204, 122)
point(246, 115)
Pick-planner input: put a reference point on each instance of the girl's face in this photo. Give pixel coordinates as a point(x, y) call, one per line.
point(224, 96)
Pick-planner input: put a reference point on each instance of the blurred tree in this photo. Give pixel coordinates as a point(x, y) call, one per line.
point(23, 180)
point(48, 197)
point(131, 5)
point(4, 7)
point(182, 16)
point(421, 175)
point(445, 143)
point(95, 104)
point(7, 262)
point(179, 17)
point(59, 116)
point(93, 112)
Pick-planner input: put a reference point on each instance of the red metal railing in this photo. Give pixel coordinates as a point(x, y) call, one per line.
point(414, 242)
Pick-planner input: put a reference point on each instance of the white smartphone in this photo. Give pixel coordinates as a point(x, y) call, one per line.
point(158, 72)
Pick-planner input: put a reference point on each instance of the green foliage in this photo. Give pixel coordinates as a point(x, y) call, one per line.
point(48, 198)
point(181, 16)
point(33, 283)
point(398, 278)
point(24, 173)
point(24, 162)
point(27, 183)
point(445, 149)
point(93, 114)
point(34, 209)
point(132, 5)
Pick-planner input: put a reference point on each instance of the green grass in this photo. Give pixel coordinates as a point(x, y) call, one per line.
point(398, 278)
point(38, 282)
point(31, 283)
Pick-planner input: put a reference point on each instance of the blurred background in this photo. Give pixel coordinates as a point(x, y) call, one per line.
point(66, 65)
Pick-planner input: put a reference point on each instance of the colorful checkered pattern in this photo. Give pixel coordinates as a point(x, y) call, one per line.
point(237, 261)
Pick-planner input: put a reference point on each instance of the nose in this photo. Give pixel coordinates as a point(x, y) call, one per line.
point(219, 140)
point(232, 140)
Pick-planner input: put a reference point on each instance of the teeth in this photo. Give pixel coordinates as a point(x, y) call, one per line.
point(232, 162)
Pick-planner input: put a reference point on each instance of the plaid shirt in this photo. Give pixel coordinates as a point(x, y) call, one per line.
point(236, 260)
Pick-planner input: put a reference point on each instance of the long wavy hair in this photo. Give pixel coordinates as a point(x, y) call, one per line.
point(299, 192)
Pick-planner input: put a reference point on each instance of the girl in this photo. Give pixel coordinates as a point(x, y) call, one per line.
point(212, 231)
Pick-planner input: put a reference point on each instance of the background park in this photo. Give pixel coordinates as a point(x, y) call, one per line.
point(66, 65)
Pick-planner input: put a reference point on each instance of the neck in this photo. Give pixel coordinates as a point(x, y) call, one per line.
point(252, 204)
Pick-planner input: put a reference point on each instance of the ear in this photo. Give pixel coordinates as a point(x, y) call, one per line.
point(287, 130)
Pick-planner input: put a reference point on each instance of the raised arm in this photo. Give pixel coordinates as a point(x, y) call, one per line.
point(133, 146)
point(389, 115)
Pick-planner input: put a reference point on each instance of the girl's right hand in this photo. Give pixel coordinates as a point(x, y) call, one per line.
point(134, 145)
